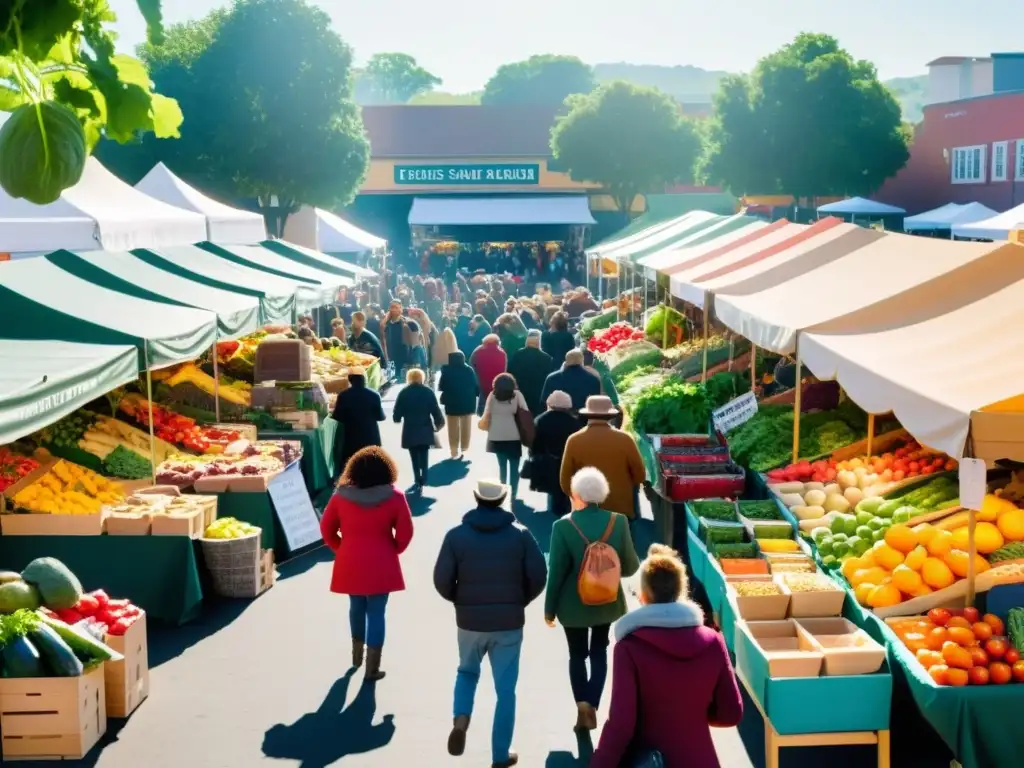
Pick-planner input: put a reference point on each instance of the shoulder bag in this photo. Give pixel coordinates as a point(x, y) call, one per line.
point(524, 423)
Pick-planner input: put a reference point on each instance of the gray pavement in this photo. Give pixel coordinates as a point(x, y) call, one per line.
point(268, 682)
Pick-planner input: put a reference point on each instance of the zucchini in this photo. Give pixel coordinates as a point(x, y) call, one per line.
point(21, 659)
point(81, 643)
point(58, 656)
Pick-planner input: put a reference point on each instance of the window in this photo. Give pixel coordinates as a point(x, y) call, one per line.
point(999, 158)
point(968, 165)
point(1019, 175)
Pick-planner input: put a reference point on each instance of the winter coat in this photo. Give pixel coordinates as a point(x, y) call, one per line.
point(488, 360)
point(576, 381)
point(565, 559)
point(366, 343)
point(476, 338)
point(500, 417)
point(577, 305)
point(393, 334)
point(529, 366)
point(551, 431)
point(357, 411)
point(557, 344)
point(444, 345)
point(612, 451)
point(458, 386)
point(416, 407)
point(464, 337)
point(511, 341)
point(491, 568)
point(368, 528)
point(661, 649)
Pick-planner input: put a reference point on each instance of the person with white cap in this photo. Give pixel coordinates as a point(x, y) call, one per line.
point(491, 568)
point(553, 428)
point(573, 379)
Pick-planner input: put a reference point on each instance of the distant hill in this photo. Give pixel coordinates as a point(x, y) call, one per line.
point(912, 93)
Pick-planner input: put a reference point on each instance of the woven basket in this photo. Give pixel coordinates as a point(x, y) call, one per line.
point(234, 565)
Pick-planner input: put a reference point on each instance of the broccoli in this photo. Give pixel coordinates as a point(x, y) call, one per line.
point(127, 464)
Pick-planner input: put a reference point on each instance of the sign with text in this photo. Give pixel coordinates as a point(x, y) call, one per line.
point(470, 175)
point(973, 483)
point(734, 413)
point(294, 509)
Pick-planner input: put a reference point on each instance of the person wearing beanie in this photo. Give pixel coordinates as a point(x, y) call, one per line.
point(530, 366)
point(553, 429)
point(573, 379)
point(358, 411)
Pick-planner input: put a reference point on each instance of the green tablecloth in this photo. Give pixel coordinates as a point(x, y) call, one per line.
point(159, 574)
point(317, 452)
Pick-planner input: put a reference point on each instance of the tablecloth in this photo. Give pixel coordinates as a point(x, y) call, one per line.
point(317, 452)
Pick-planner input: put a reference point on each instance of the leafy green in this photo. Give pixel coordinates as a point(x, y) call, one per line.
point(17, 624)
point(592, 325)
point(645, 358)
point(672, 408)
point(127, 464)
point(715, 510)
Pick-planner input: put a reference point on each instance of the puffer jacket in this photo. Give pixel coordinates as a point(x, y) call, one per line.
point(458, 386)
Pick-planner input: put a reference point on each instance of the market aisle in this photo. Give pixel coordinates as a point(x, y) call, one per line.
point(272, 682)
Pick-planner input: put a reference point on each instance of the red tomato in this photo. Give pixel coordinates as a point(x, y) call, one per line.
point(978, 675)
point(998, 628)
point(978, 656)
point(939, 616)
point(1012, 656)
point(996, 647)
point(1018, 671)
point(972, 614)
point(88, 605)
point(981, 630)
point(1000, 673)
point(101, 597)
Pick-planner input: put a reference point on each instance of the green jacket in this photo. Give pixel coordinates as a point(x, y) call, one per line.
point(566, 557)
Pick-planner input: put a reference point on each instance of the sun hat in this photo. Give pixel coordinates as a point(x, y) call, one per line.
point(599, 407)
point(559, 400)
point(490, 490)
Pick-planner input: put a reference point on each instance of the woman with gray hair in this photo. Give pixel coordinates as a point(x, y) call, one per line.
point(554, 427)
point(586, 626)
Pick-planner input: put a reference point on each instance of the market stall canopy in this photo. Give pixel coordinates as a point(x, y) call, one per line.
point(39, 300)
point(875, 267)
point(641, 228)
point(41, 382)
point(224, 224)
point(860, 206)
point(948, 215)
point(498, 211)
point(312, 258)
point(335, 235)
point(692, 231)
point(936, 356)
point(997, 227)
point(258, 257)
point(740, 272)
point(237, 314)
point(669, 261)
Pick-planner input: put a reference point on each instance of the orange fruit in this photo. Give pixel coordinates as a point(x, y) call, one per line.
point(869, 576)
point(959, 539)
point(923, 590)
point(961, 636)
point(956, 677)
point(915, 558)
point(936, 574)
point(886, 556)
point(884, 596)
point(936, 638)
point(925, 533)
point(987, 538)
point(958, 621)
point(940, 543)
point(906, 580)
point(901, 538)
point(957, 561)
point(861, 592)
point(940, 674)
point(1011, 525)
point(958, 657)
point(850, 566)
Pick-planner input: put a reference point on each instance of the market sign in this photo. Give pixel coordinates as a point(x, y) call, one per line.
point(479, 175)
point(734, 413)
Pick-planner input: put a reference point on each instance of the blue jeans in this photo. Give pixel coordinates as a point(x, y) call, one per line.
point(366, 618)
point(508, 471)
point(502, 649)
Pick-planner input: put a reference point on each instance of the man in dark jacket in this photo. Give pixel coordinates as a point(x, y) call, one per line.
point(357, 411)
point(573, 379)
point(530, 367)
point(393, 334)
point(491, 568)
point(361, 340)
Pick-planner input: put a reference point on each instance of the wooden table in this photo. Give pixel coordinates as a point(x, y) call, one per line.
point(774, 741)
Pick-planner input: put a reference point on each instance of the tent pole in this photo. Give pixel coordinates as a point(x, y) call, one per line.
point(149, 400)
point(871, 432)
point(704, 368)
point(796, 408)
point(216, 383)
point(753, 367)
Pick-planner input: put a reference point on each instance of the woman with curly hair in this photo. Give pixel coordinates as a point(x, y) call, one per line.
point(368, 525)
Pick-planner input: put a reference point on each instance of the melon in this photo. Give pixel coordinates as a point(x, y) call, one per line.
point(16, 595)
point(58, 587)
point(43, 151)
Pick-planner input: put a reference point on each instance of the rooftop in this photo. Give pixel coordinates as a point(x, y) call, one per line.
point(949, 60)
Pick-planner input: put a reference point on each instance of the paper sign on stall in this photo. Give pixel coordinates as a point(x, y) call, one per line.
point(973, 481)
point(295, 511)
point(735, 412)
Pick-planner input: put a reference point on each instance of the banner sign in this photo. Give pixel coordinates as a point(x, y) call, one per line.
point(734, 413)
point(513, 174)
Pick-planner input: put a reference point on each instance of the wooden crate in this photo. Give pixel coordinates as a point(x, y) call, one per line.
point(119, 524)
point(209, 505)
point(127, 681)
point(52, 525)
point(8, 495)
point(52, 717)
point(188, 523)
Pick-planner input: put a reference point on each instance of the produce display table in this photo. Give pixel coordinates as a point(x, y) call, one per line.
point(774, 741)
point(160, 574)
point(317, 452)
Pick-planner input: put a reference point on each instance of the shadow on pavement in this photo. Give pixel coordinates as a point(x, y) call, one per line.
point(419, 504)
point(563, 759)
point(446, 472)
point(304, 561)
point(166, 642)
point(321, 738)
point(538, 523)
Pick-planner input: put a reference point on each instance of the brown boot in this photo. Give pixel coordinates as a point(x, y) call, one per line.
point(373, 670)
point(357, 652)
point(513, 759)
point(457, 738)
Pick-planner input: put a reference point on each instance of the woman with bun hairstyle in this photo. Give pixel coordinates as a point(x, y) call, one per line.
point(662, 648)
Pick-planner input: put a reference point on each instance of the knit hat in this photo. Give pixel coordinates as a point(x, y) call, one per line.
point(559, 401)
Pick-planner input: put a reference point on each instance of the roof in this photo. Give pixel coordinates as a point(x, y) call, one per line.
point(405, 130)
point(950, 60)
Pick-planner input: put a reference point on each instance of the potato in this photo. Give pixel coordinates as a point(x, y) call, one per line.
point(815, 498)
point(791, 500)
point(836, 503)
point(812, 512)
point(846, 479)
point(853, 495)
point(814, 486)
point(782, 488)
point(832, 488)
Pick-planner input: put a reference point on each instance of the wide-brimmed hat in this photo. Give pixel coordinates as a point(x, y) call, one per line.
point(599, 407)
point(559, 400)
point(490, 490)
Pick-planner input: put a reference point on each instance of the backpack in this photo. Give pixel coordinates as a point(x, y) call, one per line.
point(600, 573)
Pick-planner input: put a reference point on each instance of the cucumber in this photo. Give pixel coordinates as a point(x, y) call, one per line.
point(21, 659)
point(58, 656)
point(81, 643)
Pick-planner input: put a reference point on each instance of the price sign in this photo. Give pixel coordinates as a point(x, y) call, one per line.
point(973, 480)
point(734, 413)
point(294, 509)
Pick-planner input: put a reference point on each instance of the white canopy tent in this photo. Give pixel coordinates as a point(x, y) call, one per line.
point(997, 227)
point(224, 224)
point(611, 244)
point(679, 232)
point(325, 232)
point(948, 215)
point(666, 260)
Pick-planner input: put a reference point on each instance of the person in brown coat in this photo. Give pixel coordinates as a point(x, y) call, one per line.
point(610, 450)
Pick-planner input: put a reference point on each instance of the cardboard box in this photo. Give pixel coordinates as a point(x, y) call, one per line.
point(52, 717)
point(848, 649)
point(122, 524)
point(127, 681)
point(185, 523)
point(758, 607)
point(786, 648)
point(209, 506)
point(8, 495)
point(813, 604)
point(31, 524)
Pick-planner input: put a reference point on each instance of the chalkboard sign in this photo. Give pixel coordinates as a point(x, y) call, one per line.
point(294, 509)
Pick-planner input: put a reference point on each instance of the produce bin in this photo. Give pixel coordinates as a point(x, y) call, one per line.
point(698, 556)
point(127, 681)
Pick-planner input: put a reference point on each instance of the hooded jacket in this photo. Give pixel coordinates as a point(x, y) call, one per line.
point(458, 386)
point(662, 649)
point(368, 528)
point(357, 411)
point(463, 336)
point(488, 360)
point(491, 568)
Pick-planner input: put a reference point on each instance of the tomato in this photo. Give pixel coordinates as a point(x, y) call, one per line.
point(961, 636)
point(996, 647)
point(940, 674)
point(88, 605)
point(1018, 671)
point(982, 631)
point(1012, 656)
point(101, 597)
point(958, 657)
point(978, 656)
point(978, 675)
point(998, 628)
point(972, 614)
point(958, 621)
point(1000, 673)
point(939, 616)
point(957, 677)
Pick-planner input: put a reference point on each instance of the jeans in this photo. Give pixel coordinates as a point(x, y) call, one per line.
point(502, 650)
point(420, 459)
point(588, 643)
point(460, 430)
point(508, 471)
point(366, 618)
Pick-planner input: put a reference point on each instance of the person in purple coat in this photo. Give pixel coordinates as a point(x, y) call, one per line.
point(661, 649)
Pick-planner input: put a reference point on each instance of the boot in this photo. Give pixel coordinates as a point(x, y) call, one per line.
point(357, 652)
point(586, 717)
point(513, 759)
point(373, 670)
point(457, 738)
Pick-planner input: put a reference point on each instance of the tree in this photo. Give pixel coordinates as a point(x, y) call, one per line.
point(810, 120)
point(393, 78)
point(629, 139)
point(542, 80)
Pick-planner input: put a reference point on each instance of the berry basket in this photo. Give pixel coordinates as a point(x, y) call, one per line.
point(235, 565)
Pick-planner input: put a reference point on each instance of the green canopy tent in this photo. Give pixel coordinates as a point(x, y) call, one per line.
point(258, 257)
point(41, 382)
point(40, 301)
point(237, 314)
point(311, 258)
point(690, 231)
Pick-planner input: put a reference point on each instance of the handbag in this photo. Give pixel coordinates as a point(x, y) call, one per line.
point(524, 423)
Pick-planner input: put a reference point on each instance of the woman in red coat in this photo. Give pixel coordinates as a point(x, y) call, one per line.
point(368, 525)
point(488, 360)
point(661, 649)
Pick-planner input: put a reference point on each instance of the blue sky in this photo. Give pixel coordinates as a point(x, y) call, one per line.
point(464, 41)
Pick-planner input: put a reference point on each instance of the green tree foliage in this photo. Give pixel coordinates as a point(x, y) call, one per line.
point(810, 120)
point(629, 139)
point(392, 78)
point(541, 80)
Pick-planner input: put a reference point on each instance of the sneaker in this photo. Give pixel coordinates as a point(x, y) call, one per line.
point(513, 759)
point(457, 738)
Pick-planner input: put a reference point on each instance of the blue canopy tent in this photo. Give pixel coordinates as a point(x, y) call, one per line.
point(859, 206)
point(946, 216)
